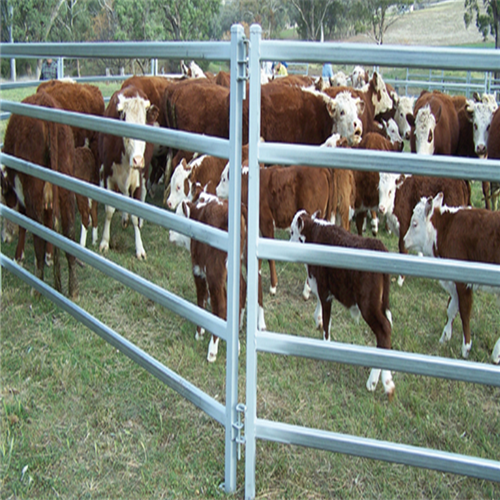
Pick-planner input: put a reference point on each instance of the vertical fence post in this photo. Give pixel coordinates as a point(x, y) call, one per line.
point(238, 82)
point(252, 263)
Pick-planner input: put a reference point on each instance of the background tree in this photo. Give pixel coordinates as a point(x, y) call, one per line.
point(380, 15)
point(310, 17)
point(487, 18)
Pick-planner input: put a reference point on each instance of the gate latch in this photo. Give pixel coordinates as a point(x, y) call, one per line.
point(238, 426)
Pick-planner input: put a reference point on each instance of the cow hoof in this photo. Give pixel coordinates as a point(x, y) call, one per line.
point(446, 335)
point(49, 260)
point(211, 357)
point(390, 393)
point(272, 290)
point(401, 280)
point(104, 247)
point(199, 334)
point(141, 256)
point(466, 350)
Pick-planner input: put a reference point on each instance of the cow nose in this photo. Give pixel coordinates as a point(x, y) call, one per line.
point(381, 209)
point(407, 136)
point(138, 161)
point(481, 149)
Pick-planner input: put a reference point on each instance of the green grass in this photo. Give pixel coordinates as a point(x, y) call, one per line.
point(80, 420)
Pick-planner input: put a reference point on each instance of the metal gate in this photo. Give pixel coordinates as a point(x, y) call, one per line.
point(245, 59)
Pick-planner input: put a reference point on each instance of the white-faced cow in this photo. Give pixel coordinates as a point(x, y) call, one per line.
point(435, 129)
point(50, 145)
point(361, 291)
point(404, 107)
point(125, 160)
point(470, 234)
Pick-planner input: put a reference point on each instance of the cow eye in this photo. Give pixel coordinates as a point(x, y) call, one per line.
point(342, 113)
point(488, 128)
point(475, 126)
point(429, 139)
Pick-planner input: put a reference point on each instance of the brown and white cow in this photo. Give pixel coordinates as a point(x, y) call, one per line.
point(125, 160)
point(367, 182)
point(50, 145)
point(399, 194)
point(359, 77)
point(435, 129)
point(209, 264)
point(404, 107)
point(375, 96)
point(470, 234)
point(154, 88)
point(205, 170)
point(493, 147)
point(363, 292)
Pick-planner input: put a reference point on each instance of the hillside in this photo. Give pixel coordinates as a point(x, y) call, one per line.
point(440, 24)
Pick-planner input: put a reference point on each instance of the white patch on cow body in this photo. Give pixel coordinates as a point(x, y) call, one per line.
point(198, 271)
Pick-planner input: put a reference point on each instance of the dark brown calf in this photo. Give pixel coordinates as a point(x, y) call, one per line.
point(361, 291)
point(210, 264)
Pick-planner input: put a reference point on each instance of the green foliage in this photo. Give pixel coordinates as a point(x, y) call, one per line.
point(487, 18)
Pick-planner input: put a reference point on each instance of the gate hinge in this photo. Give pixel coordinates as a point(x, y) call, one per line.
point(239, 426)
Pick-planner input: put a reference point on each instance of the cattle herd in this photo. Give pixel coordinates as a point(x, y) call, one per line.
point(429, 215)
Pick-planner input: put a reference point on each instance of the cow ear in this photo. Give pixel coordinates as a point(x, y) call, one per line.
point(437, 202)
point(152, 113)
point(395, 97)
point(186, 208)
point(360, 104)
point(476, 97)
point(316, 214)
point(331, 104)
point(469, 109)
point(428, 207)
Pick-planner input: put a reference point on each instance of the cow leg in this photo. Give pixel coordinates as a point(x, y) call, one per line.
point(82, 203)
point(306, 291)
point(104, 246)
point(261, 322)
point(218, 299)
point(360, 220)
point(21, 241)
point(374, 222)
point(465, 296)
point(486, 193)
point(67, 200)
point(380, 322)
point(39, 245)
point(49, 247)
point(125, 219)
point(93, 215)
point(318, 313)
point(267, 231)
point(201, 296)
point(139, 248)
point(452, 311)
point(495, 355)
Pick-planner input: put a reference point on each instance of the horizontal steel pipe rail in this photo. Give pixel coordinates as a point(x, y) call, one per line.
point(157, 369)
point(379, 450)
point(339, 352)
point(146, 288)
point(214, 237)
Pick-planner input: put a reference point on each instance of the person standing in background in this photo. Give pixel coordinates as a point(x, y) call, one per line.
point(49, 70)
point(327, 72)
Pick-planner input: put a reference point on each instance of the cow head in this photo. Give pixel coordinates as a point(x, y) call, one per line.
point(297, 226)
point(179, 184)
point(422, 235)
point(359, 77)
point(404, 109)
point(392, 130)
point(388, 184)
point(139, 111)
point(345, 110)
point(425, 126)
point(480, 114)
point(381, 99)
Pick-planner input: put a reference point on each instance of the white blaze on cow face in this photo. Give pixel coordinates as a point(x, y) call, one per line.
point(178, 184)
point(345, 111)
point(387, 186)
point(425, 125)
point(422, 235)
point(403, 109)
point(392, 131)
point(133, 110)
point(359, 77)
point(480, 114)
point(222, 189)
